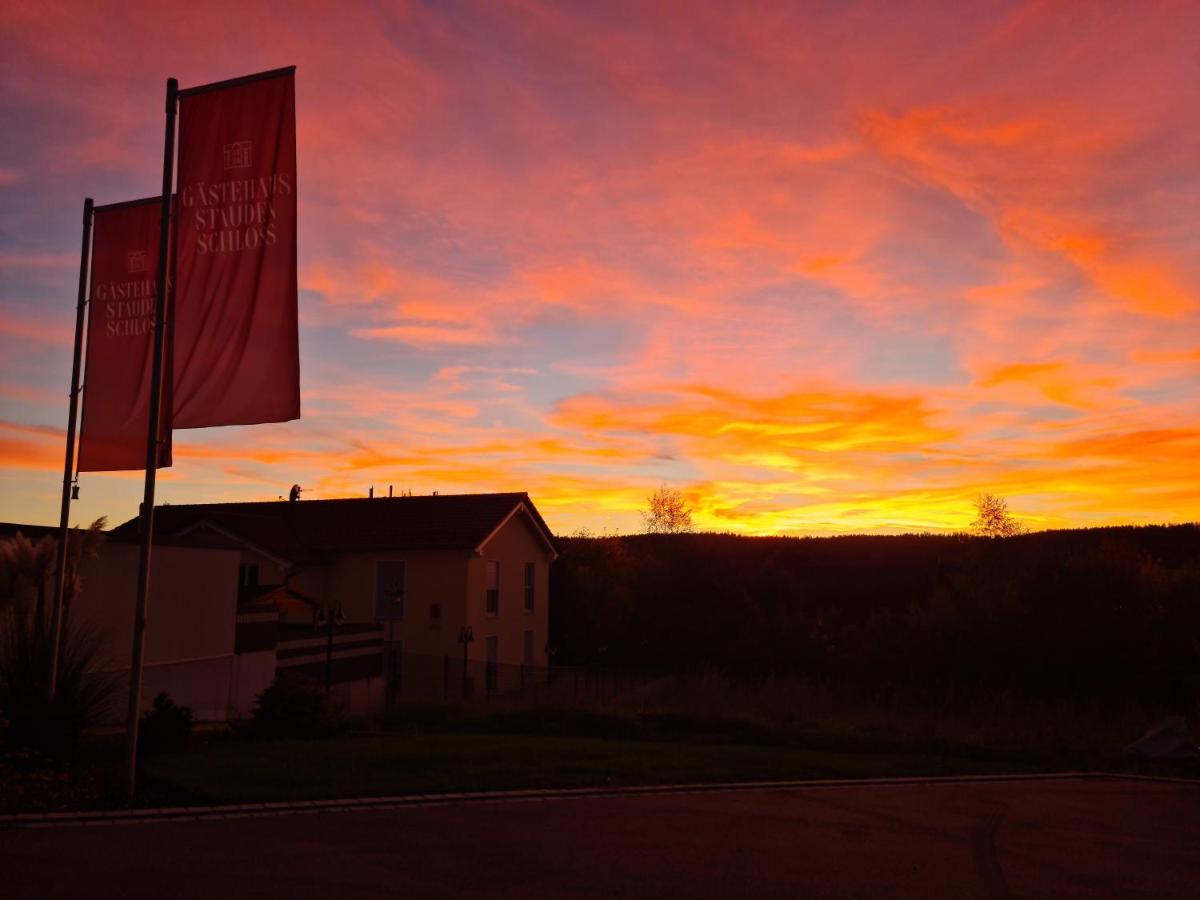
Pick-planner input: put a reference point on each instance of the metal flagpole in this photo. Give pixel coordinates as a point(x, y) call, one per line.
point(60, 569)
point(152, 448)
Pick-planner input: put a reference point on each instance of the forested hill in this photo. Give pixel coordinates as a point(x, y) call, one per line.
point(1115, 609)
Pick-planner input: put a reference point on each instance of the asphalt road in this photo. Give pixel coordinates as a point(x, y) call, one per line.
point(1060, 838)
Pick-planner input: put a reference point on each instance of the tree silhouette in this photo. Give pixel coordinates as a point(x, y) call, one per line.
point(993, 518)
point(667, 512)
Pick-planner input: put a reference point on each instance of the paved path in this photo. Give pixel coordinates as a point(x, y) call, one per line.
point(1061, 838)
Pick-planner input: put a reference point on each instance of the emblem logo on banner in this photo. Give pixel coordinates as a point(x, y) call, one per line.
point(137, 261)
point(237, 155)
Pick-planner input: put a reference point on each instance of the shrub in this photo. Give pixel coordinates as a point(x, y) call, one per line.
point(294, 705)
point(166, 728)
point(82, 695)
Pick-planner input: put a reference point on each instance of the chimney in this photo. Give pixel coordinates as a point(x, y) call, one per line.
point(370, 492)
point(389, 491)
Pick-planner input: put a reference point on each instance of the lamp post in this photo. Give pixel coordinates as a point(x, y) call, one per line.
point(329, 619)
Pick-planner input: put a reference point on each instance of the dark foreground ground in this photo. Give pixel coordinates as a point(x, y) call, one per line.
point(1060, 838)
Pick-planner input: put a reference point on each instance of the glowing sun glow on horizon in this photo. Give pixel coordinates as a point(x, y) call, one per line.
point(824, 268)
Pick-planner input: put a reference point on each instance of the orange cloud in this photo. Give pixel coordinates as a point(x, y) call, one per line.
point(30, 447)
point(1178, 445)
point(1055, 381)
point(820, 421)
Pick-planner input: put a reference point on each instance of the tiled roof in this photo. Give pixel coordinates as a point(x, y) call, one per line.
point(314, 530)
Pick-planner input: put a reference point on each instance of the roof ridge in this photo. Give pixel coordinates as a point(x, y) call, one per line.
point(264, 503)
point(311, 529)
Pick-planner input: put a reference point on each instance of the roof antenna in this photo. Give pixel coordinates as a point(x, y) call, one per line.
point(294, 493)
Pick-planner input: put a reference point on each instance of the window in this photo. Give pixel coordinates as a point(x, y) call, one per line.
point(530, 572)
point(248, 575)
point(389, 590)
point(493, 588)
point(528, 657)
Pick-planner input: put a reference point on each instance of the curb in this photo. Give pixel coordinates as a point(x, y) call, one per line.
point(352, 804)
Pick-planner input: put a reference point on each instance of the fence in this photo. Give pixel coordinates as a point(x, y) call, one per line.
point(412, 677)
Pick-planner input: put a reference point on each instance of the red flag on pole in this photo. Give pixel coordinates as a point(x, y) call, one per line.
point(120, 340)
point(235, 335)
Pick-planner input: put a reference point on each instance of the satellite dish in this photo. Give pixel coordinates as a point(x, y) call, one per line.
point(294, 493)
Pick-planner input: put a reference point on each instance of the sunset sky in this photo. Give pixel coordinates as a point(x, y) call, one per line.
point(824, 267)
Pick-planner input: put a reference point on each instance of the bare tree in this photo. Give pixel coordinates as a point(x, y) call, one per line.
point(667, 512)
point(993, 519)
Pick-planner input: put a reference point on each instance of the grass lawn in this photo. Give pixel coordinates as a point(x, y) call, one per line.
point(229, 770)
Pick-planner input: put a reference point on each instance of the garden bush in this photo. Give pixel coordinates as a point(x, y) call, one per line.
point(82, 695)
point(295, 706)
point(166, 728)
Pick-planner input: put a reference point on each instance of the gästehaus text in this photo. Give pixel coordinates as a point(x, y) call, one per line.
point(128, 306)
point(235, 215)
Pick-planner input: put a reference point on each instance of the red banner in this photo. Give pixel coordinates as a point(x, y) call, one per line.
point(237, 357)
point(120, 340)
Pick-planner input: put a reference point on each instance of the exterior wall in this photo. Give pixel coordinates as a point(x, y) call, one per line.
point(204, 685)
point(270, 571)
point(253, 672)
point(429, 578)
point(516, 544)
point(254, 645)
point(190, 621)
point(311, 581)
point(190, 613)
point(360, 697)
